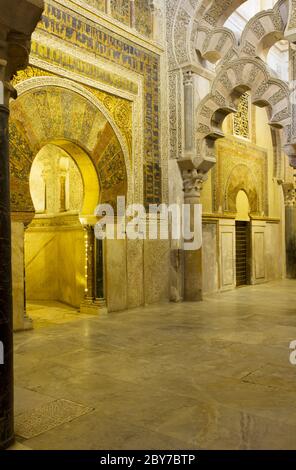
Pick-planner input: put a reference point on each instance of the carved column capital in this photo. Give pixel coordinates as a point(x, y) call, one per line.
point(188, 77)
point(289, 194)
point(192, 185)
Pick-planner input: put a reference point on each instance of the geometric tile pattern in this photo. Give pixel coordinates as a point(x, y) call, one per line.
point(48, 416)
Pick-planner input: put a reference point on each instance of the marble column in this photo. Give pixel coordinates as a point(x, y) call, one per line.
point(89, 238)
point(188, 78)
point(6, 326)
point(18, 19)
point(91, 305)
point(157, 20)
point(193, 182)
point(193, 288)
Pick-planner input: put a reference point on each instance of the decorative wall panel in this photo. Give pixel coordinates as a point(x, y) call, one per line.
point(241, 119)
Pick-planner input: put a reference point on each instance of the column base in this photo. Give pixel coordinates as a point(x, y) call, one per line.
point(27, 325)
point(91, 307)
point(193, 287)
point(193, 297)
point(8, 443)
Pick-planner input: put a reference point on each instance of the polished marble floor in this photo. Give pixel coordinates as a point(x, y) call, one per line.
point(211, 375)
point(45, 314)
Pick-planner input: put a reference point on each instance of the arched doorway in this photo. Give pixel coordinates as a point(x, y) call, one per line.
point(54, 240)
point(243, 239)
point(64, 125)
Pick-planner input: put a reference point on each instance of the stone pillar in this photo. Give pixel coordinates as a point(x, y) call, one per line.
point(18, 19)
point(193, 182)
point(6, 326)
point(157, 21)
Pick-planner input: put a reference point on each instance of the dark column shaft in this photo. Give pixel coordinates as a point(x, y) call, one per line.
point(291, 241)
point(6, 320)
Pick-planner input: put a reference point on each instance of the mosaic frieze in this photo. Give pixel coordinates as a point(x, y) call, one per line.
point(78, 66)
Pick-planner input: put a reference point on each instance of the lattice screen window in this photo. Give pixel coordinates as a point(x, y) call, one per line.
point(241, 120)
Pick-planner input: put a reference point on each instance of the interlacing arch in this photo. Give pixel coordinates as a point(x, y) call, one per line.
point(264, 30)
point(197, 32)
point(234, 79)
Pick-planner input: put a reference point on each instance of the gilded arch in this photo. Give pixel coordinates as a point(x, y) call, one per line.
point(55, 110)
point(242, 179)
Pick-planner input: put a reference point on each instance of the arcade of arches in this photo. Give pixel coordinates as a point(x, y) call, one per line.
point(160, 102)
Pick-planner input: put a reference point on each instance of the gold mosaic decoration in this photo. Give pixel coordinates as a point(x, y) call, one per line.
point(51, 113)
point(240, 166)
point(61, 59)
point(119, 108)
point(121, 11)
point(28, 73)
point(81, 34)
point(241, 119)
point(99, 4)
point(143, 17)
point(121, 111)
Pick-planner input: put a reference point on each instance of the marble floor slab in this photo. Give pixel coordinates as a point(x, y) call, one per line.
point(210, 375)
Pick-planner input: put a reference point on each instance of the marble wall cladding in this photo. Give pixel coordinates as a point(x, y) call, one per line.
point(227, 254)
point(116, 275)
point(176, 274)
point(273, 255)
point(55, 266)
point(135, 273)
point(156, 270)
point(17, 232)
point(41, 263)
point(176, 194)
point(258, 252)
point(71, 267)
point(210, 258)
